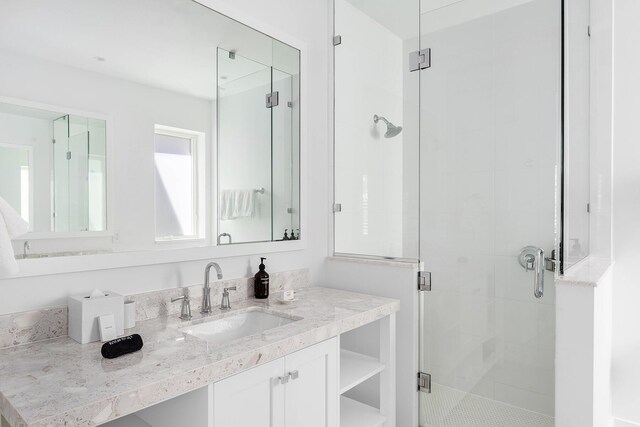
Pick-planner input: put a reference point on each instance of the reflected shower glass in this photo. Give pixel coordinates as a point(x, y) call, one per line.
point(244, 148)
point(59, 182)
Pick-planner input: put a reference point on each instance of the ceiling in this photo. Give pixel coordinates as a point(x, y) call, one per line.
point(170, 44)
point(409, 18)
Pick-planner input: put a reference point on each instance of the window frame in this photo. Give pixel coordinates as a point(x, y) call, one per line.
point(198, 187)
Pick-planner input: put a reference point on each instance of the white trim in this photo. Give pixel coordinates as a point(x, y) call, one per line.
point(74, 264)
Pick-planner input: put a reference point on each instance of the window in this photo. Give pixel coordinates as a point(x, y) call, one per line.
point(179, 184)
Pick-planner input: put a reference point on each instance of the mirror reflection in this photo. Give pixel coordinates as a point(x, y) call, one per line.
point(165, 139)
point(53, 168)
point(258, 202)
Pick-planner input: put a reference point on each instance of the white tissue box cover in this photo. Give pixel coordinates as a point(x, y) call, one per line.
point(84, 312)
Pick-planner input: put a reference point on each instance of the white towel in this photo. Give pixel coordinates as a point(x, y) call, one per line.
point(237, 204)
point(11, 225)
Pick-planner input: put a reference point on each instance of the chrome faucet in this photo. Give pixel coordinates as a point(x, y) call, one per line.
point(185, 312)
point(225, 304)
point(206, 292)
point(25, 248)
point(220, 236)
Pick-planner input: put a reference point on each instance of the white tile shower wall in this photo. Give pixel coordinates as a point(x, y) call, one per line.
point(307, 21)
point(489, 123)
point(368, 167)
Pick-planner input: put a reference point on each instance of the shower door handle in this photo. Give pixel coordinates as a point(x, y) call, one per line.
point(532, 258)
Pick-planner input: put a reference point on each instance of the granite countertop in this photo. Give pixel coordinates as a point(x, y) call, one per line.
point(60, 382)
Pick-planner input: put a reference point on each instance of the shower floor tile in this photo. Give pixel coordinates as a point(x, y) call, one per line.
point(447, 407)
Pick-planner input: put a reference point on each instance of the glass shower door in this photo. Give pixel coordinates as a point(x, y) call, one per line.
point(490, 138)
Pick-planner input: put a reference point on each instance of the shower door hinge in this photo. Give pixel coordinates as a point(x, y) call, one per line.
point(420, 59)
point(337, 207)
point(424, 280)
point(272, 99)
point(337, 40)
point(551, 262)
point(53, 141)
point(424, 382)
point(68, 155)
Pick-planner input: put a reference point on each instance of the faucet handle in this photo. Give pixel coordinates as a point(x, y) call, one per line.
point(185, 312)
point(226, 304)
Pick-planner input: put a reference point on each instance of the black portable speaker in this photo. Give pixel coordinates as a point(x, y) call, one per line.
point(121, 346)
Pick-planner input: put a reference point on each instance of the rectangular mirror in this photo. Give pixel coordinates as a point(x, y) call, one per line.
point(159, 137)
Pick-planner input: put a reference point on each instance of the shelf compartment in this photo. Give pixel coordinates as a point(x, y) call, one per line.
point(357, 414)
point(128, 421)
point(356, 368)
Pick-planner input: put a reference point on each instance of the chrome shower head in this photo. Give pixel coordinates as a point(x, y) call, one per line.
point(392, 130)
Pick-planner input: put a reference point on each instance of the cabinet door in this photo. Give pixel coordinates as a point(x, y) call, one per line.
point(254, 398)
point(311, 394)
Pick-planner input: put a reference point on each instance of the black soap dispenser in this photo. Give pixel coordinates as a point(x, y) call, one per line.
point(261, 282)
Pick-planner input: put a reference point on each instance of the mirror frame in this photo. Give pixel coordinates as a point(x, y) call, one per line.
point(72, 264)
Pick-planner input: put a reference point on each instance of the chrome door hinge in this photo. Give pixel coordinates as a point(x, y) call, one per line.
point(337, 40)
point(337, 207)
point(424, 280)
point(551, 262)
point(272, 99)
point(68, 155)
point(424, 382)
point(53, 141)
point(420, 59)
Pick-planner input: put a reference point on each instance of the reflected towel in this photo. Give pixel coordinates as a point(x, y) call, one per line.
point(11, 225)
point(237, 204)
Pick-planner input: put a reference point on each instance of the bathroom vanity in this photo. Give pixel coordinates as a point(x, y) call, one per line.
point(261, 363)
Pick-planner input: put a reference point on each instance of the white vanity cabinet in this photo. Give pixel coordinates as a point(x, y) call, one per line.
point(300, 389)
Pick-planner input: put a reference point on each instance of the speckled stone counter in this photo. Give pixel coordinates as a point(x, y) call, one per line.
point(60, 382)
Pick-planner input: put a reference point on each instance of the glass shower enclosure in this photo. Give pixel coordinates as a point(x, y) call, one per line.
point(470, 187)
point(79, 174)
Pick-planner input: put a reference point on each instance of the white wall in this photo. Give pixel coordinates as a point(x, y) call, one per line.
point(368, 178)
point(35, 133)
point(626, 209)
point(306, 21)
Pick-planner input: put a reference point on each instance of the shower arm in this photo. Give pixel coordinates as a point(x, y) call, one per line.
point(376, 118)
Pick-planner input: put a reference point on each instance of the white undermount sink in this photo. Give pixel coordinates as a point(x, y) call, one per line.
point(236, 326)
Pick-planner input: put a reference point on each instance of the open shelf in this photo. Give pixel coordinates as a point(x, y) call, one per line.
point(356, 368)
point(128, 421)
point(356, 414)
